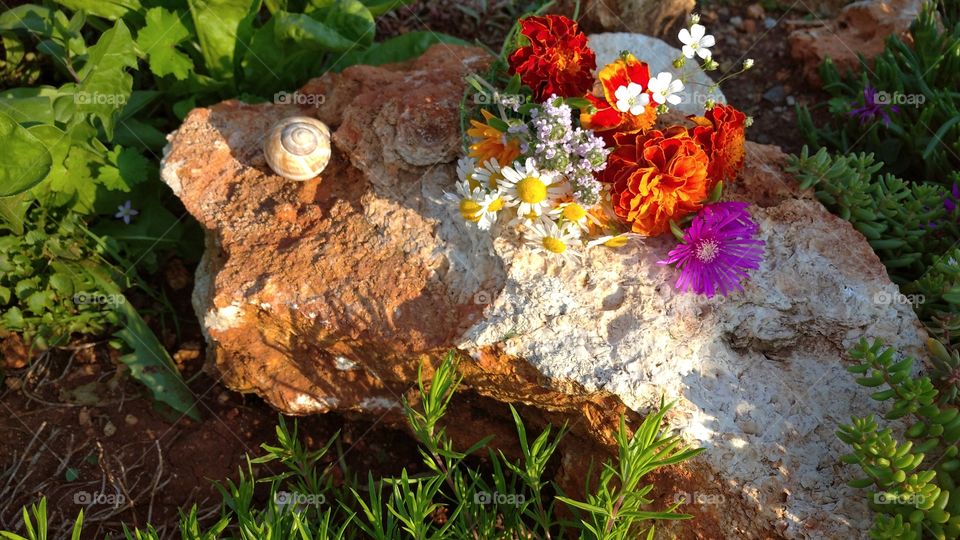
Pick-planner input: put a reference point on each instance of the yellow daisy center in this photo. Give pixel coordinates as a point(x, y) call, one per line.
point(554, 245)
point(470, 210)
point(531, 190)
point(574, 212)
point(474, 183)
point(496, 205)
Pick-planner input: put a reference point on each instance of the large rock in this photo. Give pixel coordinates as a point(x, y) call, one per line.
point(861, 28)
point(659, 55)
point(327, 294)
point(651, 17)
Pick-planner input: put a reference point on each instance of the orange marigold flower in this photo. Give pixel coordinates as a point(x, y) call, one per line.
point(656, 176)
point(556, 60)
point(490, 142)
point(609, 118)
point(722, 134)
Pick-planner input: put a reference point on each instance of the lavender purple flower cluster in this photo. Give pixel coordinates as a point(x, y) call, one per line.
point(558, 147)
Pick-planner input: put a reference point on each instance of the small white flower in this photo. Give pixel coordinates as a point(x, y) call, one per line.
point(465, 170)
point(631, 98)
point(488, 175)
point(544, 236)
point(572, 213)
point(531, 191)
point(476, 205)
point(665, 88)
point(748, 63)
point(125, 211)
point(696, 41)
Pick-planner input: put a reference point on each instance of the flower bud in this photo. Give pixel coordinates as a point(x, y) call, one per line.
point(747, 64)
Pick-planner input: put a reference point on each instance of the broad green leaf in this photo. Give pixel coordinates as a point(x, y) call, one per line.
point(351, 19)
point(398, 49)
point(13, 49)
point(379, 7)
point(149, 362)
point(105, 84)
point(222, 27)
point(12, 211)
point(28, 110)
point(24, 160)
point(108, 9)
point(126, 168)
point(310, 33)
point(37, 20)
point(158, 40)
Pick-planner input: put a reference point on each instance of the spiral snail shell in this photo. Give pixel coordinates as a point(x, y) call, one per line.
point(298, 147)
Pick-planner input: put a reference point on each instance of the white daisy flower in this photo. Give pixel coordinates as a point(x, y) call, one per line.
point(665, 88)
point(631, 98)
point(531, 191)
point(466, 167)
point(476, 205)
point(544, 236)
point(696, 41)
point(573, 213)
point(488, 175)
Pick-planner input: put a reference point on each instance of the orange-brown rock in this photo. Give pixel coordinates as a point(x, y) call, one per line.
point(861, 28)
point(328, 294)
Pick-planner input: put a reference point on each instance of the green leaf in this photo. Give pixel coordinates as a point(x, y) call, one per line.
point(149, 362)
point(126, 168)
point(24, 160)
point(379, 7)
point(71, 474)
point(108, 9)
point(351, 19)
point(105, 85)
point(310, 33)
point(401, 48)
point(159, 39)
point(222, 25)
point(12, 211)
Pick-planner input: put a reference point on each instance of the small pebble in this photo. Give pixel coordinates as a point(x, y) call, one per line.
point(736, 21)
point(109, 430)
point(756, 11)
point(750, 26)
point(84, 417)
point(13, 383)
point(131, 420)
point(791, 101)
point(769, 23)
point(775, 94)
point(723, 11)
point(223, 398)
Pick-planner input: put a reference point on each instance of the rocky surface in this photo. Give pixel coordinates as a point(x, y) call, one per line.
point(861, 28)
point(327, 294)
point(651, 17)
point(699, 87)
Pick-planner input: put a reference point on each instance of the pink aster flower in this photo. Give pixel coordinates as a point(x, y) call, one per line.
point(717, 250)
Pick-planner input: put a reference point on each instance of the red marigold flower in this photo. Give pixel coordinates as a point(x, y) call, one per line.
point(610, 118)
point(556, 60)
point(722, 134)
point(656, 176)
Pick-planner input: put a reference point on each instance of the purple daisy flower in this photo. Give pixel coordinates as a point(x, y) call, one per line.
point(717, 250)
point(874, 104)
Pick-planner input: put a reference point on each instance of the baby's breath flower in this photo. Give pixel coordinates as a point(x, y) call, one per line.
point(747, 64)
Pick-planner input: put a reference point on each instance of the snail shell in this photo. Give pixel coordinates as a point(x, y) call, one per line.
point(298, 147)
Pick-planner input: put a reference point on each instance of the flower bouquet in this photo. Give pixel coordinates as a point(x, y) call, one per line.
point(576, 156)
